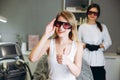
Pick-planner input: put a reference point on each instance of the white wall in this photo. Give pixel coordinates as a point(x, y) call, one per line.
point(30, 17)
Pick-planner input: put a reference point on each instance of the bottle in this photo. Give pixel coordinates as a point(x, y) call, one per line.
point(80, 20)
point(23, 47)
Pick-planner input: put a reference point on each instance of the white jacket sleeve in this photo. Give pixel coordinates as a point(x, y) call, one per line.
point(107, 42)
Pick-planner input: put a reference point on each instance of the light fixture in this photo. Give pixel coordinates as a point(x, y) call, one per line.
point(3, 19)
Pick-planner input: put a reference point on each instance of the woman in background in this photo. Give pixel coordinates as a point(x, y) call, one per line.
point(96, 39)
point(64, 51)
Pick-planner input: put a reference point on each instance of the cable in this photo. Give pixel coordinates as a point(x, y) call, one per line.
point(18, 61)
point(23, 62)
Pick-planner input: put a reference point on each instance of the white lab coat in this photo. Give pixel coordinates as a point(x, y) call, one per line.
point(89, 33)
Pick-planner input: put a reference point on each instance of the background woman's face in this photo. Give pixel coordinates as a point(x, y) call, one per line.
point(93, 14)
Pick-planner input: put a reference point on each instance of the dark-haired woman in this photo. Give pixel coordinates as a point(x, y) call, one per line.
point(96, 39)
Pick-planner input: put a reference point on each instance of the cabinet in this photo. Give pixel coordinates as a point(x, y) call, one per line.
point(78, 8)
point(112, 66)
point(112, 69)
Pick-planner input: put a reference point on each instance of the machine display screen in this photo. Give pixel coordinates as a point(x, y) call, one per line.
point(7, 51)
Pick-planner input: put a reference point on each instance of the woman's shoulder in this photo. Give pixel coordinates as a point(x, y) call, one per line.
point(79, 44)
point(83, 24)
point(50, 41)
point(104, 26)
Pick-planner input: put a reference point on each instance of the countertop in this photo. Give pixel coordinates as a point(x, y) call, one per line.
point(111, 55)
point(108, 55)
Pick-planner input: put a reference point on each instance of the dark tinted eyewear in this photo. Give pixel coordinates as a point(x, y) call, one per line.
point(65, 25)
point(91, 12)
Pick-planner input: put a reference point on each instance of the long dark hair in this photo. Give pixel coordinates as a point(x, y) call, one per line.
point(94, 5)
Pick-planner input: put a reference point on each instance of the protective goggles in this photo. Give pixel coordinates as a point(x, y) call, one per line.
point(92, 12)
point(65, 25)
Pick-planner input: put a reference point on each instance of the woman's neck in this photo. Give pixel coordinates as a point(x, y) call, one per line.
point(62, 40)
point(91, 22)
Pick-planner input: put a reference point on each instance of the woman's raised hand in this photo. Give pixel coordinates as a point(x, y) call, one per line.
point(50, 29)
